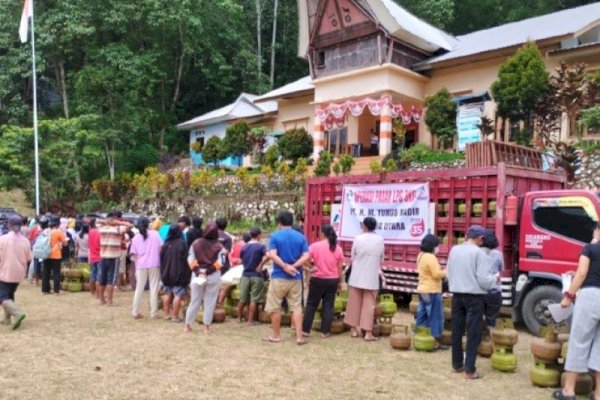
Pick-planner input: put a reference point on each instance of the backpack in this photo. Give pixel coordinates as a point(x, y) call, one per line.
point(41, 248)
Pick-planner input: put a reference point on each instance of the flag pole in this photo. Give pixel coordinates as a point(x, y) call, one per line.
point(35, 118)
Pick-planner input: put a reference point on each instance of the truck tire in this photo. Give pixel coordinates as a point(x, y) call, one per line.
point(534, 308)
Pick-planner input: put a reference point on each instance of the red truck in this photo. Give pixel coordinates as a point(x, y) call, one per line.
point(541, 227)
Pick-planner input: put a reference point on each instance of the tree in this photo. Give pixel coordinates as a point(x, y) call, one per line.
point(212, 151)
point(440, 116)
point(574, 90)
point(437, 12)
point(257, 139)
point(273, 43)
point(236, 142)
point(295, 143)
point(522, 81)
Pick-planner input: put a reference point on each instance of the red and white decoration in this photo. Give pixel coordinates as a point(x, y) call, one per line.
point(335, 113)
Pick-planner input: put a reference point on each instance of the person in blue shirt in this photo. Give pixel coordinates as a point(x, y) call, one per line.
point(288, 249)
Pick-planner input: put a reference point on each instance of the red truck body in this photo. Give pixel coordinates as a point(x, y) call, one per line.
point(535, 253)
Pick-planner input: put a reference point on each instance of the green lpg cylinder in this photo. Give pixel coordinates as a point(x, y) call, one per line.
point(339, 306)
point(388, 305)
point(544, 375)
point(503, 360)
point(423, 341)
point(74, 286)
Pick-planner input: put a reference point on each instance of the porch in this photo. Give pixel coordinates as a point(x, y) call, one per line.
point(365, 127)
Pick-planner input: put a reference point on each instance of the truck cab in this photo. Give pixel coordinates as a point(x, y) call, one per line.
point(553, 228)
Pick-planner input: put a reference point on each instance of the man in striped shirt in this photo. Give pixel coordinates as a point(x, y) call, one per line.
point(111, 233)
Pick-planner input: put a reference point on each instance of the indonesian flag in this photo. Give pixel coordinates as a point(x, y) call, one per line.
point(24, 26)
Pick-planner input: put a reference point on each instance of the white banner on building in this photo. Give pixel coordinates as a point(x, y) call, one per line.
point(467, 119)
point(401, 211)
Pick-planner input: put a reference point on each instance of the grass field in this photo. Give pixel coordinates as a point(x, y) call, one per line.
point(71, 348)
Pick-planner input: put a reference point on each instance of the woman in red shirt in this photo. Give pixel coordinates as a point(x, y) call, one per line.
point(325, 281)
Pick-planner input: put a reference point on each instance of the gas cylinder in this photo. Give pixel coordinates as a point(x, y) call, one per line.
point(503, 360)
point(423, 341)
point(511, 210)
point(544, 375)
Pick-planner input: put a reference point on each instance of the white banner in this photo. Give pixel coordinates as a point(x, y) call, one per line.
point(401, 211)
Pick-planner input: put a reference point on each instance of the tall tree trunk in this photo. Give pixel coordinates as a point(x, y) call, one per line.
point(59, 73)
point(179, 70)
point(258, 45)
point(273, 42)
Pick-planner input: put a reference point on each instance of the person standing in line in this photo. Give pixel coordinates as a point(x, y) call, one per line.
point(120, 275)
point(52, 264)
point(111, 232)
point(174, 272)
point(94, 258)
point(35, 272)
point(184, 223)
point(15, 255)
point(82, 244)
point(430, 312)
point(203, 260)
point(145, 247)
point(252, 284)
point(363, 285)
point(584, 341)
point(288, 250)
point(227, 241)
point(469, 280)
point(493, 298)
point(326, 279)
point(195, 232)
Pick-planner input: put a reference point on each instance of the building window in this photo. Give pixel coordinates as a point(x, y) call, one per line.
point(320, 59)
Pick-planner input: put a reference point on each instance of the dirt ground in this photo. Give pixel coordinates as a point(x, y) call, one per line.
point(71, 348)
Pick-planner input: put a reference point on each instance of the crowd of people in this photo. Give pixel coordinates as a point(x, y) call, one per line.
point(186, 259)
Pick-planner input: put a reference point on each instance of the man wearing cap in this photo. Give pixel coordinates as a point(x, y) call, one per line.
point(469, 280)
point(15, 256)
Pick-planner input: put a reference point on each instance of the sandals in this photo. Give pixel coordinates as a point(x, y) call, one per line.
point(325, 335)
point(371, 339)
point(558, 395)
point(301, 342)
point(475, 375)
point(354, 334)
point(458, 370)
point(270, 339)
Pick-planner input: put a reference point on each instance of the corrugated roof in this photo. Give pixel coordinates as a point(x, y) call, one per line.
point(561, 23)
point(243, 107)
point(301, 85)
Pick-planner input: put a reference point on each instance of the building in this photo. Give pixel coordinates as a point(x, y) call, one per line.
point(371, 61)
point(215, 123)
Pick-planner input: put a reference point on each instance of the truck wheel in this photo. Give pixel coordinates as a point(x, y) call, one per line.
point(535, 307)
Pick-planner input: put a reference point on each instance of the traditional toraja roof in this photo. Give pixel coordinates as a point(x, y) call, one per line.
point(407, 27)
point(243, 107)
point(566, 24)
point(398, 22)
point(292, 89)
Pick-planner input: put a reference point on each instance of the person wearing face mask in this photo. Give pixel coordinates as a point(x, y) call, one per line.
point(469, 279)
point(430, 312)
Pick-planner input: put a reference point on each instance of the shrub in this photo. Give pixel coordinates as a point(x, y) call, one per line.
point(212, 151)
point(390, 165)
point(301, 167)
point(346, 163)
point(337, 168)
point(295, 143)
point(236, 142)
point(440, 116)
point(375, 167)
point(196, 147)
point(271, 156)
point(425, 154)
point(323, 167)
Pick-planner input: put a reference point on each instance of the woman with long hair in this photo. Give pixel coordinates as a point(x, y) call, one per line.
point(363, 285)
point(82, 244)
point(203, 260)
point(174, 272)
point(493, 298)
point(430, 312)
point(327, 258)
point(145, 246)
